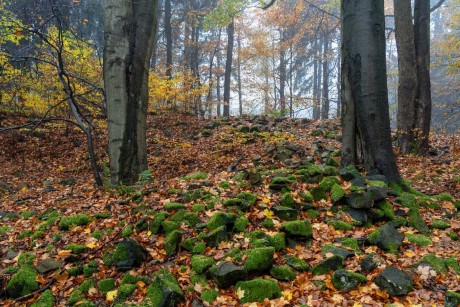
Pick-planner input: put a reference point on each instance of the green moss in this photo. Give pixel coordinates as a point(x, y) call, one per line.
point(171, 241)
point(46, 299)
point(127, 231)
point(312, 213)
point(339, 225)
point(198, 208)
point(346, 280)
point(196, 176)
point(287, 200)
point(74, 220)
point(301, 229)
point(318, 193)
point(76, 270)
point(280, 183)
point(164, 286)
point(454, 236)
point(444, 197)
point(102, 215)
point(198, 279)
point(25, 234)
point(278, 241)
point(201, 263)
point(76, 248)
point(283, 273)
point(157, 221)
point(416, 220)
point(429, 202)
point(452, 299)
point(11, 270)
point(337, 193)
point(174, 207)
point(350, 242)
point(188, 244)
point(387, 210)
point(199, 248)
point(23, 282)
point(259, 259)
point(241, 224)
point(236, 254)
point(221, 219)
point(408, 200)
point(169, 226)
point(131, 279)
point(97, 234)
point(26, 258)
point(209, 296)
point(306, 196)
point(90, 268)
point(257, 290)
point(26, 214)
point(125, 291)
point(267, 223)
point(453, 264)
point(297, 263)
point(75, 297)
point(330, 264)
point(328, 182)
point(38, 234)
point(439, 224)
point(106, 285)
point(434, 262)
point(4, 229)
point(225, 185)
point(419, 239)
point(248, 198)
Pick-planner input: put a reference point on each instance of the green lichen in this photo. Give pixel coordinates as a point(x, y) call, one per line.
point(282, 272)
point(257, 290)
point(46, 299)
point(339, 225)
point(106, 285)
point(419, 239)
point(201, 263)
point(74, 220)
point(259, 259)
point(23, 282)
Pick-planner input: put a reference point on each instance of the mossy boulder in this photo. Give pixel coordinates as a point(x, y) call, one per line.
point(298, 229)
point(46, 299)
point(318, 193)
point(345, 280)
point(287, 200)
point(76, 248)
point(337, 251)
point(452, 299)
point(386, 237)
point(416, 220)
point(170, 207)
point(328, 182)
point(285, 213)
point(74, 220)
point(106, 285)
point(280, 183)
point(282, 272)
point(419, 239)
point(164, 290)
point(128, 254)
point(371, 262)
point(222, 219)
point(329, 264)
point(259, 259)
point(439, 224)
point(241, 224)
point(155, 225)
point(359, 200)
point(201, 263)
point(433, 262)
point(340, 225)
point(23, 282)
point(297, 263)
point(77, 294)
point(257, 290)
point(216, 236)
point(171, 241)
point(226, 274)
point(125, 291)
point(337, 193)
point(395, 282)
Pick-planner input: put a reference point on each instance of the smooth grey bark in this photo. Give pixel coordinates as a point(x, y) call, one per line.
point(282, 72)
point(366, 122)
point(130, 27)
point(228, 66)
point(219, 102)
point(325, 100)
point(407, 72)
point(169, 42)
point(240, 90)
point(422, 54)
point(315, 82)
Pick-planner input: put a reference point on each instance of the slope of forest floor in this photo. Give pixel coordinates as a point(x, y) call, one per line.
point(227, 191)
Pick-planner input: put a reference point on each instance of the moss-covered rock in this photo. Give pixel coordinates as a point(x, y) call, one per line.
point(339, 225)
point(259, 259)
point(125, 291)
point(127, 255)
point(334, 250)
point(77, 294)
point(416, 220)
point(90, 268)
point(306, 196)
point(330, 264)
point(199, 248)
point(226, 274)
point(201, 263)
point(106, 285)
point(395, 282)
point(169, 226)
point(171, 241)
point(282, 272)
point(170, 207)
point(298, 229)
point(74, 220)
point(387, 210)
point(76, 248)
point(318, 193)
point(23, 282)
point(287, 200)
point(164, 290)
point(241, 224)
point(155, 224)
point(285, 213)
point(131, 279)
point(280, 183)
point(222, 219)
point(439, 224)
point(452, 299)
point(216, 236)
point(278, 241)
point(328, 182)
point(386, 237)
point(419, 239)
point(371, 262)
point(257, 290)
point(345, 280)
point(196, 176)
point(434, 262)
point(209, 296)
point(337, 193)
point(46, 299)
point(297, 263)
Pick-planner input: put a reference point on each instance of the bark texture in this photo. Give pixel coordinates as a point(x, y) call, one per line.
point(228, 67)
point(407, 70)
point(366, 121)
point(130, 27)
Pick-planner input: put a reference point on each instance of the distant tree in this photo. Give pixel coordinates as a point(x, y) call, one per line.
point(130, 28)
point(366, 121)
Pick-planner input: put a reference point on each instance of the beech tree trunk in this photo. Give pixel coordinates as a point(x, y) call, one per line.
point(422, 54)
point(325, 100)
point(130, 27)
point(407, 70)
point(228, 67)
point(366, 121)
point(282, 70)
point(169, 41)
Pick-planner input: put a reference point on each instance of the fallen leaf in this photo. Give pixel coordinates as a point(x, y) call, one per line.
point(111, 295)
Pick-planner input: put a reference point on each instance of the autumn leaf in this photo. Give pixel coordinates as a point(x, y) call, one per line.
point(268, 214)
point(240, 293)
point(111, 295)
point(287, 295)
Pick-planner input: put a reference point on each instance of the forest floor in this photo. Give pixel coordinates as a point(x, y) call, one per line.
point(228, 191)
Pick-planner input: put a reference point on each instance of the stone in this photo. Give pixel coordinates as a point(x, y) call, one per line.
point(164, 291)
point(337, 251)
point(345, 280)
point(22, 283)
point(48, 265)
point(452, 299)
point(201, 263)
point(282, 272)
point(128, 254)
point(371, 262)
point(395, 282)
point(349, 173)
point(386, 237)
point(216, 236)
point(46, 299)
point(330, 264)
point(171, 241)
point(222, 219)
point(226, 274)
point(378, 193)
point(298, 229)
point(358, 215)
point(259, 259)
point(359, 200)
point(285, 213)
point(297, 263)
point(257, 290)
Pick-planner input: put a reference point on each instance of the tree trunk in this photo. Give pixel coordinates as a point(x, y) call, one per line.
point(315, 83)
point(228, 67)
point(366, 122)
point(407, 71)
point(282, 71)
point(219, 102)
point(169, 42)
point(422, 54)
point(339, 77)
point(325, 101)
point(130, 28)
point(240, 92)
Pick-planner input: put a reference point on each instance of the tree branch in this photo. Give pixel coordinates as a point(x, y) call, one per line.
point(437, 5)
